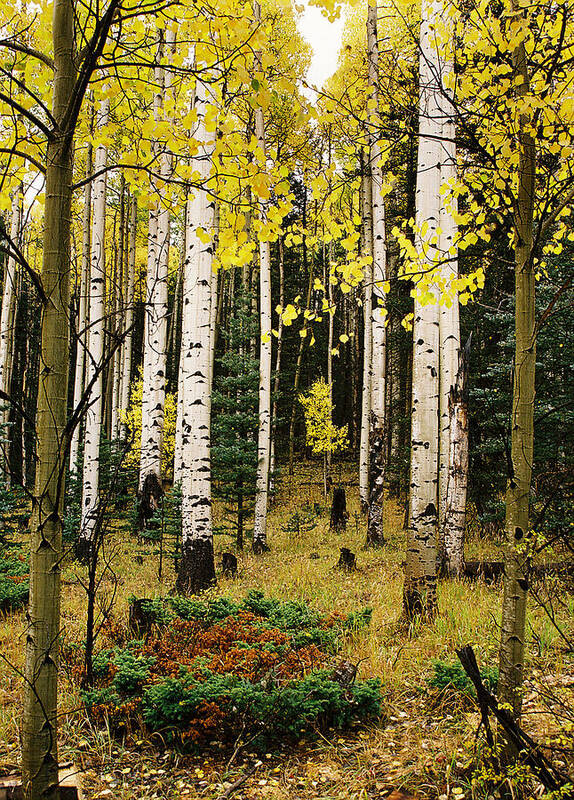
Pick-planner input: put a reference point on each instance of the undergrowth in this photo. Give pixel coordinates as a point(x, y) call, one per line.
point(213, 670)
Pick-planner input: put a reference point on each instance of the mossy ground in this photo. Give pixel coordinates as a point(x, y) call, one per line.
point(424, 742)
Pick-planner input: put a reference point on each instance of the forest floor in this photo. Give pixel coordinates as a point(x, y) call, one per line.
point(424, 743)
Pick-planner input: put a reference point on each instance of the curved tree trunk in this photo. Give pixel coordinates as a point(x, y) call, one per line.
point(40, 718)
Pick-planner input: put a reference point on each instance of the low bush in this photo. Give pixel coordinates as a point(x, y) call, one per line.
point(215, 669)
point(14, 578)
point(452, 676)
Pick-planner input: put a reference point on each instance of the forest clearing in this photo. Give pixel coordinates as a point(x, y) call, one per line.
point(422, 744)
point(287, 399)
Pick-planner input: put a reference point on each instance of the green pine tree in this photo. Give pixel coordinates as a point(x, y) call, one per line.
point(235, 420)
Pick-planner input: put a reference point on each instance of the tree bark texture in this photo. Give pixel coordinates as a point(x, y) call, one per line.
point(419, 596)
point(40, 720)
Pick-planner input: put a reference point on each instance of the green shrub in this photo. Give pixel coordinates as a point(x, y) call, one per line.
point(316, 700)
point(452, 675)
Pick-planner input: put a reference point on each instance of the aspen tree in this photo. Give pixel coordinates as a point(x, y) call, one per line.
point(8, 315)
point(451, 528)
point(155, 326)
point(118, 317)
point(126, 362)
point(513, 624)
point(83, 306)
point(452, 544)
point(419, 596)
point(95, 354)
point(40, 717)
point(197, 568)
point(377, 437)
point(265, 324)
point(367, 225)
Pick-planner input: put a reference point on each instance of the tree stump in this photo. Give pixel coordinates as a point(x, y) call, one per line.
point(229, 564)
point(140, 616)
point(347, 560)
point(339, 515)
point(149, 499)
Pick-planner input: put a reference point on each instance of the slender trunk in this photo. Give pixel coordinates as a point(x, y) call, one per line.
point(40, 718)
point(452, 555)
point(297, 378)
point(82, 325)
point(129, 311)
point(377, 419)
point(277, 358)
point(264, 435)
point(197, 567)
point(511, 667)
point(367, 215)
point(419, 596)
point(449, 326)
point(93, 424)
point(7, 322)
point(119, 289)
point(155, 337)
point(181, 423)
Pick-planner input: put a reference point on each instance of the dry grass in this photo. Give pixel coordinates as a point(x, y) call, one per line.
point(417, 741)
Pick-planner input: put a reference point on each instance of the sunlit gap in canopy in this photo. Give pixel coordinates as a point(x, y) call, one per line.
point(325, 40)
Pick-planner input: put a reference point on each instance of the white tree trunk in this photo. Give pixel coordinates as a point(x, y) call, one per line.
point(82, 324)
point(93, 424)
point(419, 596)
point(264, 434)
point(181, 431)
point(7, 321)
point(377, 433)
point(129, 312)
point(449, 333)
point(118, 322)
point(197, 568)
point(367, 214)
point(155, 328)
point(453, 523)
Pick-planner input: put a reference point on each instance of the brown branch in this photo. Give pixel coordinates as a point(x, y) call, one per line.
point(29, 51)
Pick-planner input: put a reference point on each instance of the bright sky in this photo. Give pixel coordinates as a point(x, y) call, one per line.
point(325, 39)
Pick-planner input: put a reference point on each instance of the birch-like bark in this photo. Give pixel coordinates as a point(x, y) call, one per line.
point(377, 432)
point(277, 358)
point(181, 420)
point(513, 625)
point(40, 715)
point(449, 326)
point(82, 324)
point(129, 312)
point(7, 318)
point(155, 328)
point(264, 433)
point(95, 354)
point(118, 321)
point(367, 214)
point(453, 523)
point(197, 568)
point(419, 595)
